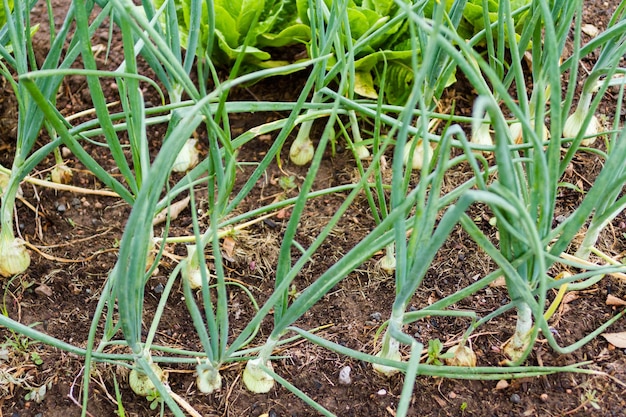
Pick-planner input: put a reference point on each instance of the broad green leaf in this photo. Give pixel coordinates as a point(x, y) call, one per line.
point(226, 26)
point(242, 12)
point(368, 62)
point(359, 23)
point(361, 20)
point(233, 53)
point(296, 33)
point(381, 7)
point(261, 22)
point(364, 85)
point(3, 17)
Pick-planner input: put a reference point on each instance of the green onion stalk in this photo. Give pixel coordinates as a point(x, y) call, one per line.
point(302, 151)
point(19, 55)
point(35, 91)
point(256, 379)
point(414, 255)
point(522, 208)
point(212, 323)
point(584, 123)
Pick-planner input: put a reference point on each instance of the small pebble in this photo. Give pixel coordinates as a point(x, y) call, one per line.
point(65, 152)
point(344, 376)
point(452, 395)
point(381, 392)
point(61, 208)
point(376, 316)
point(515, 399)
point(544, 397)
point(158, 289)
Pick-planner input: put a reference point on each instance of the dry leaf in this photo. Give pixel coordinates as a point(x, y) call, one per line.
point(616, 339)
point(590, 30)
point(441, 402)
point(569, 297)
point(282, 214)
point(174, 210)
point(612, 300)
point(502, 384)
point(43, 290)
point(498, 282)
point(431, 299)
point(228, 246)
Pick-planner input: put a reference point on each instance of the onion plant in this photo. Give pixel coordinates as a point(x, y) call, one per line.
point(145, 196)
point(414, 256)
point(583, 125)
point(18, 59)
point(518, 179)
point(524, 196)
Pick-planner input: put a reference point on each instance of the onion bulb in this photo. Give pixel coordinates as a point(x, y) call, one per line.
point(14, 258)
point(191, 270)
point(390, 351)
point(461, 356)
point(482, 136)
point(61, 174)
point(421, 154)
point(256, 379)
point(141, 384)
point(209, 379)
point(187, 158)
point(302, 150)
point(517, 133)
point(574, 124)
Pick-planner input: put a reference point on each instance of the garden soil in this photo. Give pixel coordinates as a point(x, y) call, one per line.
point(74, 237)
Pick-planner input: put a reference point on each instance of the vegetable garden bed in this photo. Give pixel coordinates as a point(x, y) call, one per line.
point(88, 245)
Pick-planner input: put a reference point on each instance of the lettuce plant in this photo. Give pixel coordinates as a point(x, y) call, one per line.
point(240, 27)
point(389, 49)
point(3, 17)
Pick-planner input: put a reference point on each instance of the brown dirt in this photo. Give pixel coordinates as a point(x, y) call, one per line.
point(79, 234)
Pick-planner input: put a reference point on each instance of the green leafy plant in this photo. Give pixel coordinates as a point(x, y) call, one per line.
point(155, 400)
point(228, 29)
point(7, 7)
point(435, 351)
